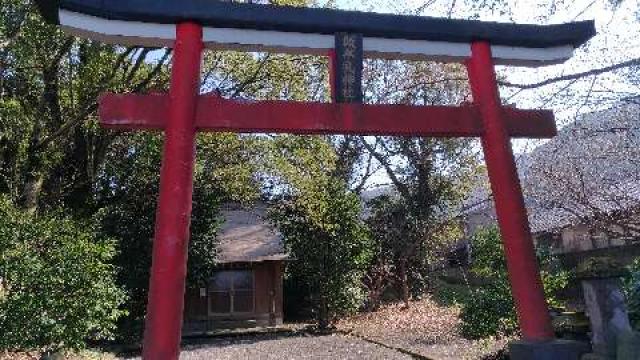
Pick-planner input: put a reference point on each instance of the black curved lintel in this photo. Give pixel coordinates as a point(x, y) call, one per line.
point(325, 21)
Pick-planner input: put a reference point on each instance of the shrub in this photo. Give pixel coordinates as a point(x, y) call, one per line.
point(490, 310)
point(58, 287)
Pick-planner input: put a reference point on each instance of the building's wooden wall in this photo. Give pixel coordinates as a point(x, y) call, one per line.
point(268, 290)
point(195, 306)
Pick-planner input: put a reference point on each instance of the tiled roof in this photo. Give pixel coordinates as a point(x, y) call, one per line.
point(247, 236)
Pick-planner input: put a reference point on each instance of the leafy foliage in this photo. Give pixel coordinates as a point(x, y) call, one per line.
point(57, 280)
point(53, 156)
point(127, 193)
point(50, 85)
point(414, 223)
point(489, 310)
point(402, 247)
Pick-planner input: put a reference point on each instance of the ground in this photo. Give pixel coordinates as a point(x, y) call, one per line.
point(82, 355)
point(291, 347)
point(425, 329)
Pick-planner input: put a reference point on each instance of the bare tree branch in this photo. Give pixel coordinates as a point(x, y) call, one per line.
point(368, 172)
point(592, 72)
point(400, 186)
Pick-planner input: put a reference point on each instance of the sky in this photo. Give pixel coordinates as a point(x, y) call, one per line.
point(618, 40)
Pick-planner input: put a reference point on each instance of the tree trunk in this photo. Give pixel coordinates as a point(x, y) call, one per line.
point(404, 284)
point(323, 314)
point(31, 193)
point(374, 295)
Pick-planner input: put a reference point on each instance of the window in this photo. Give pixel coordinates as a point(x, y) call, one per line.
point(231, 292)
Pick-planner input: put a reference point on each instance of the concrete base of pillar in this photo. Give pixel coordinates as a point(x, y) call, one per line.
point(550, 350)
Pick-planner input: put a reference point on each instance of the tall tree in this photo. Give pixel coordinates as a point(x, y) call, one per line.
point(320, 220)
point(428, 177)
point(126, 194)
point(55, 158)
point(50, 83)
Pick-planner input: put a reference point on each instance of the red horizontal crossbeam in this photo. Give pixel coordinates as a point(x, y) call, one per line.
point(216, 114)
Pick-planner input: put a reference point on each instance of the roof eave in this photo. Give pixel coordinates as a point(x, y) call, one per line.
point(391, 33)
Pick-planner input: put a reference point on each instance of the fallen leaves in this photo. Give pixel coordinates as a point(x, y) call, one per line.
point(425, 328)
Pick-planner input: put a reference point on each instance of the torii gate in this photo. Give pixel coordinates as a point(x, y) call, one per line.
point(189, 26)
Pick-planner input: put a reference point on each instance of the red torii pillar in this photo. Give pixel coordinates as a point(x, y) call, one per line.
point(522, 265)
point(163, 325)
point(189, 113)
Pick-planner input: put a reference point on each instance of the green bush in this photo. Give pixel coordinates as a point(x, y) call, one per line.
point(490, 310)
point(58, 289)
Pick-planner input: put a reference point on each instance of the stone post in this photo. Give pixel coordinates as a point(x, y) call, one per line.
point(607, 313)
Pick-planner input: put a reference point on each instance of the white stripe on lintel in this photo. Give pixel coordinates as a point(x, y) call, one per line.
point(118, 32)
point(163, 35)
point(547, 56)
point(257, 40)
